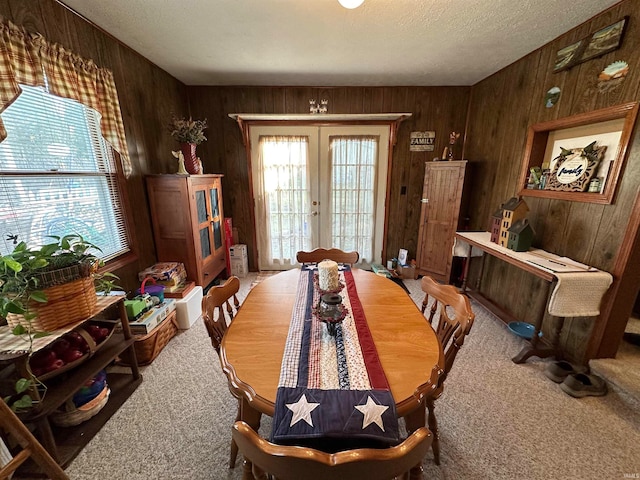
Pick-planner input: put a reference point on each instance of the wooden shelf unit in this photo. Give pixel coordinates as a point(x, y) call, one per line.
point(64, 444)
point(536, 150)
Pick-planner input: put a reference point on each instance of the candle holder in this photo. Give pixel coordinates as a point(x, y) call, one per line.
point(331, 311)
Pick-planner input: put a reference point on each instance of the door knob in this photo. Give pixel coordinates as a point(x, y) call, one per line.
point(424, 200)
point(313, 214)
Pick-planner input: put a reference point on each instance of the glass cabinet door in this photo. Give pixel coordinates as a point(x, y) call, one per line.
point(216, 219)
point(204, 223)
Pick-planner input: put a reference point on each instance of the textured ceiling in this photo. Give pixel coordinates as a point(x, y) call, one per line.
point(320, 43)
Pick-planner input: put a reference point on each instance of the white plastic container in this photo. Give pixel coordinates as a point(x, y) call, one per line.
point(189, 308)
point(238, 251)
point(239, 266)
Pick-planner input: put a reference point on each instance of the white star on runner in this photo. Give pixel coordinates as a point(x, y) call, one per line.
point(302, 410)
point(372, 413)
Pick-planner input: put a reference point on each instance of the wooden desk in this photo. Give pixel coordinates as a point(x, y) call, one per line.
point(252, 349)
point(538, 347)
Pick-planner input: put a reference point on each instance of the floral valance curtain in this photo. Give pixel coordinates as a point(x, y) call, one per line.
point(28, 59)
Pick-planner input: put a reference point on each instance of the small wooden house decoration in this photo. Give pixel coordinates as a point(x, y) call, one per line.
point(520, 236)
point(512, 211)
point(495, 224)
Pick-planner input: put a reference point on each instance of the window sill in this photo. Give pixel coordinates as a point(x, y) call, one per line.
point(119, 262)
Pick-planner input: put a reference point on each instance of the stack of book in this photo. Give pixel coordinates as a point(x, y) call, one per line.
point(152, 318)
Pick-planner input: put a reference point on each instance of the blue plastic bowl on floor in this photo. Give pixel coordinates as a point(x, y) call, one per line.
point(523, 329)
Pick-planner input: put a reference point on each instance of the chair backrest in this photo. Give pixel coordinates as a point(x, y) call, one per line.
point(454, 316)
point(219, 306)
point(335, 254)
point(302, 463)
point(31, 448)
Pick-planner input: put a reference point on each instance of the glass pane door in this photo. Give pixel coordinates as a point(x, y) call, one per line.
point(284, 177)
point(353, 161)
point(353, 186)
point(319, 187)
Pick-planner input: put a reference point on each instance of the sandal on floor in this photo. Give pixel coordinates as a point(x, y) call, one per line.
point(582, 385)
point(558, 371)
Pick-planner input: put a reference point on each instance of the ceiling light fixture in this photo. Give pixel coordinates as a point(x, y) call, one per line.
point(350, 3)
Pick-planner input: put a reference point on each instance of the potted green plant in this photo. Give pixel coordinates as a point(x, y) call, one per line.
point(189, 133)
point(26, 273)
point(29, 276)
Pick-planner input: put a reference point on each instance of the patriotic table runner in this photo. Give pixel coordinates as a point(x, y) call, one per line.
point(332, 387)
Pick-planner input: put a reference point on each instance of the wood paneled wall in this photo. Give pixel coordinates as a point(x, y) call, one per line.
point(147, 95)
point(500, 110)
point(442, 109)
point(502, 107)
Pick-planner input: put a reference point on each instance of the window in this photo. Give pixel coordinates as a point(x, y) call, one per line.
point(354, 162)
point(319, 186)
point(58, 176)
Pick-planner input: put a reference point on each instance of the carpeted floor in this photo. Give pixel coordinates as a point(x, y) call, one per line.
point(497, 420)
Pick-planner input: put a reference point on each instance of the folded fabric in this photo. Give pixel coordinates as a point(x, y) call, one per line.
point(579, 294)
point(461, 249)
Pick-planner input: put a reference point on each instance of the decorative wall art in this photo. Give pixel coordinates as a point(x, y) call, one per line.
point(565, 57)
point(573, 168)
point(603, 41)
point(422, 141)
point(612, 76)
point(552, 97)
point(548, 141)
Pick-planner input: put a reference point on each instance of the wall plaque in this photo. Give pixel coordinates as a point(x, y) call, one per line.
point(422, 142)
point(573, 169)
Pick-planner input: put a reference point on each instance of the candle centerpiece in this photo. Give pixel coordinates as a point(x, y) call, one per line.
point(328, 278)
point(331, 311)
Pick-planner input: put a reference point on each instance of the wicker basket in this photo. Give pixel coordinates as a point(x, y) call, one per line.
point(59, 276)
point(67, 303)
point(93, 348)
point(70, 416)
point(149, 346)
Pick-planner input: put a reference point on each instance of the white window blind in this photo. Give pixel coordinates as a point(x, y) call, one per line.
point(58, 176)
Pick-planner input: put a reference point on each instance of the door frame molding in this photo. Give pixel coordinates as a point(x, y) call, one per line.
point(246, 120)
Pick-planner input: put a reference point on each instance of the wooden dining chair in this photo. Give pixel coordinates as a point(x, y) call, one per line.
point(303, 463)
point(335, 254)
point(31, 448)
point(451, 316)
point(219, 307)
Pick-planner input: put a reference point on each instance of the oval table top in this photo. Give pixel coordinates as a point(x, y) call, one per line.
point(253, 346)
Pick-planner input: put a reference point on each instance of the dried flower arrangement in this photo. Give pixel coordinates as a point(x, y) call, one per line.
point(188, 130)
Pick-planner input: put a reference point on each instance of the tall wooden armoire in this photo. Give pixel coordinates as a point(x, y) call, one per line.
point(188, 223)
point(439, 217)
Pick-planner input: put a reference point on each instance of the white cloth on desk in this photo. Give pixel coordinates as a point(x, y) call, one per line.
point(461, 249)
point(579, 294)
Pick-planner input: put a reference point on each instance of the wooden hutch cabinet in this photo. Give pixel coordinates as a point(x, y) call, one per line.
point(188, 226)
point(439, 217)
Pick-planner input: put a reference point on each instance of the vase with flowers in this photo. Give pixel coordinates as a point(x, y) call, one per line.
point(189, 133)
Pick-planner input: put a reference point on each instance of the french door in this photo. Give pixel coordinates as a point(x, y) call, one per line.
point(318, 186)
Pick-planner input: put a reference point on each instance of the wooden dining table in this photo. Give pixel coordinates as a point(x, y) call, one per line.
point(253, 346)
